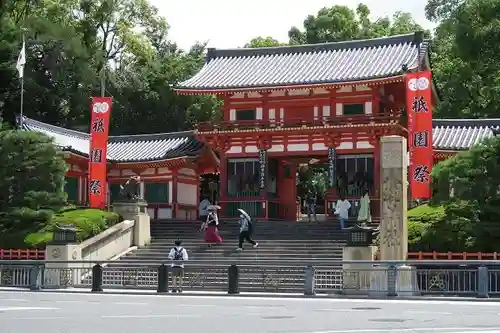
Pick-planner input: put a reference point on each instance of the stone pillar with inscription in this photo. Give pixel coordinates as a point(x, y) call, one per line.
point(394, 194)
point(394, 205)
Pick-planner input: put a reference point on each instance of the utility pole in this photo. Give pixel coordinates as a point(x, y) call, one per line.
point(103, 80)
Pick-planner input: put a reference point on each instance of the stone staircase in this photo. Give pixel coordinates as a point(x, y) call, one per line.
point(277, 264)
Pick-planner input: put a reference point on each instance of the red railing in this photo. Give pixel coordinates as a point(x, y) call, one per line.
point(38, 254)
point(453, 256)
point(338, 121)
point(22, 254)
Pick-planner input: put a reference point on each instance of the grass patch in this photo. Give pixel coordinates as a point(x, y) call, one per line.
point(88, 222)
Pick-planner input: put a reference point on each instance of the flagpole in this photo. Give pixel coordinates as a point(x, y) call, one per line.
point(22, 92)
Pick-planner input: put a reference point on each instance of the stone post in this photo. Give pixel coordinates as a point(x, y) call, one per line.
point(394, 205)
point(136, 210)
point(356, 277)
point(59, 272)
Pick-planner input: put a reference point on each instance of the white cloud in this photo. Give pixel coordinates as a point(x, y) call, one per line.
point(226, 24)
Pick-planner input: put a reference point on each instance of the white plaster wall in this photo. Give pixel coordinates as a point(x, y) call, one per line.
point(163, 170)
point(170, 191)
point(186, 171)
point(127, 172)
point(164, 213)
point(368, 108)
point(187, 194)
point(235, 150)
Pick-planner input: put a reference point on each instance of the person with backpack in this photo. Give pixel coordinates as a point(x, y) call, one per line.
point(178, 254)
point(246, 230)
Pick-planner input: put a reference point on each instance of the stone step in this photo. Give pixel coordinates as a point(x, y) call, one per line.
point(282, 258)
point(264, 242)
point(281, 235)
point(257, 227)
point(261, 250)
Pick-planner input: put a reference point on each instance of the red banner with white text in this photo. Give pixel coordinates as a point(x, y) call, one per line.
point(419, 110)
point(99, 131)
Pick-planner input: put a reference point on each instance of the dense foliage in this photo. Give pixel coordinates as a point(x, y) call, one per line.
point(467, 188)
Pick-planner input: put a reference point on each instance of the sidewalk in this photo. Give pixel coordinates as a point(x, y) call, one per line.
point(151, 292)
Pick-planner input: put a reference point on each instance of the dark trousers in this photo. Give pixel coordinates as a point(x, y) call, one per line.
point(245, 236)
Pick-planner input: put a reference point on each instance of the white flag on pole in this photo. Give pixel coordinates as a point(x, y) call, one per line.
point(21, 61)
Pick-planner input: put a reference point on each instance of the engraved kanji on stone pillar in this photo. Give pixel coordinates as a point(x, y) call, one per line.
point(263, 145)
point(394, 194)
point(332, 142)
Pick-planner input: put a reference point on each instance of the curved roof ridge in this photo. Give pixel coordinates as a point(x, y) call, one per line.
point(84, 135)
point(467, 122)
point(53, 128)
point(152, 136)
point(213, 53)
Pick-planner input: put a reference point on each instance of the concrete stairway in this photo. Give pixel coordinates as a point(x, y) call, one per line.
point(285, 249)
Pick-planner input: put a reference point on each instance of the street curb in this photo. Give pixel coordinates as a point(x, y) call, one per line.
point(260, 295)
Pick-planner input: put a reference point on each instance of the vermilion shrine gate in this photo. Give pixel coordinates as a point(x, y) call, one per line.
point(331, 102)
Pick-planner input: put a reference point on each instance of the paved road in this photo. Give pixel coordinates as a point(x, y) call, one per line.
point(88, 313)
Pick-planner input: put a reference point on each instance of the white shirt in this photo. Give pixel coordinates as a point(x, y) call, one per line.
point(203, 207)
point(171, 255)
point(342, 208)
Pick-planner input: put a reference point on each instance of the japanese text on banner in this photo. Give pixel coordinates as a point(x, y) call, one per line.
point(99, 132)
point(419, 106)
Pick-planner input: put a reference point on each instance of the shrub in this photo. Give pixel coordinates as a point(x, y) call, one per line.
point(88, 222)
point(32, 173)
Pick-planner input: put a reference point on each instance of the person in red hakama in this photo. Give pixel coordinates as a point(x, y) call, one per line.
point(211, 226)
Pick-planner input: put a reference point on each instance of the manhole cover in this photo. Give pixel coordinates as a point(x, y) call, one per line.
point(366, 308)
point(278, 317)
point(388, 320)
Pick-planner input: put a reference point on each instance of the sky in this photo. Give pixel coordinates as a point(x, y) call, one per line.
point(232, 23)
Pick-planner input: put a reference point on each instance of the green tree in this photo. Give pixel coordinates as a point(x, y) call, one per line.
point(263, 42)
point(467, 187)
point(341, 23)
point(69, 42)
point(31, 180)
point(465, 57)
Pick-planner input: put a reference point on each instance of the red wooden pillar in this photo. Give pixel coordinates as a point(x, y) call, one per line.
point(223, 183)
point(175, 179)
point(375, 142)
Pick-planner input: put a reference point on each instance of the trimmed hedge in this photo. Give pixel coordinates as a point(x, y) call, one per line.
point(421, 219)
point(88, 222)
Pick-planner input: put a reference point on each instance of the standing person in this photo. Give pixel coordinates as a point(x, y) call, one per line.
point(246, 229)
point(203, 209)
point(178, 254)
point(364, 214)
point(311, 205)
point(342, 210)
point(211, 227)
